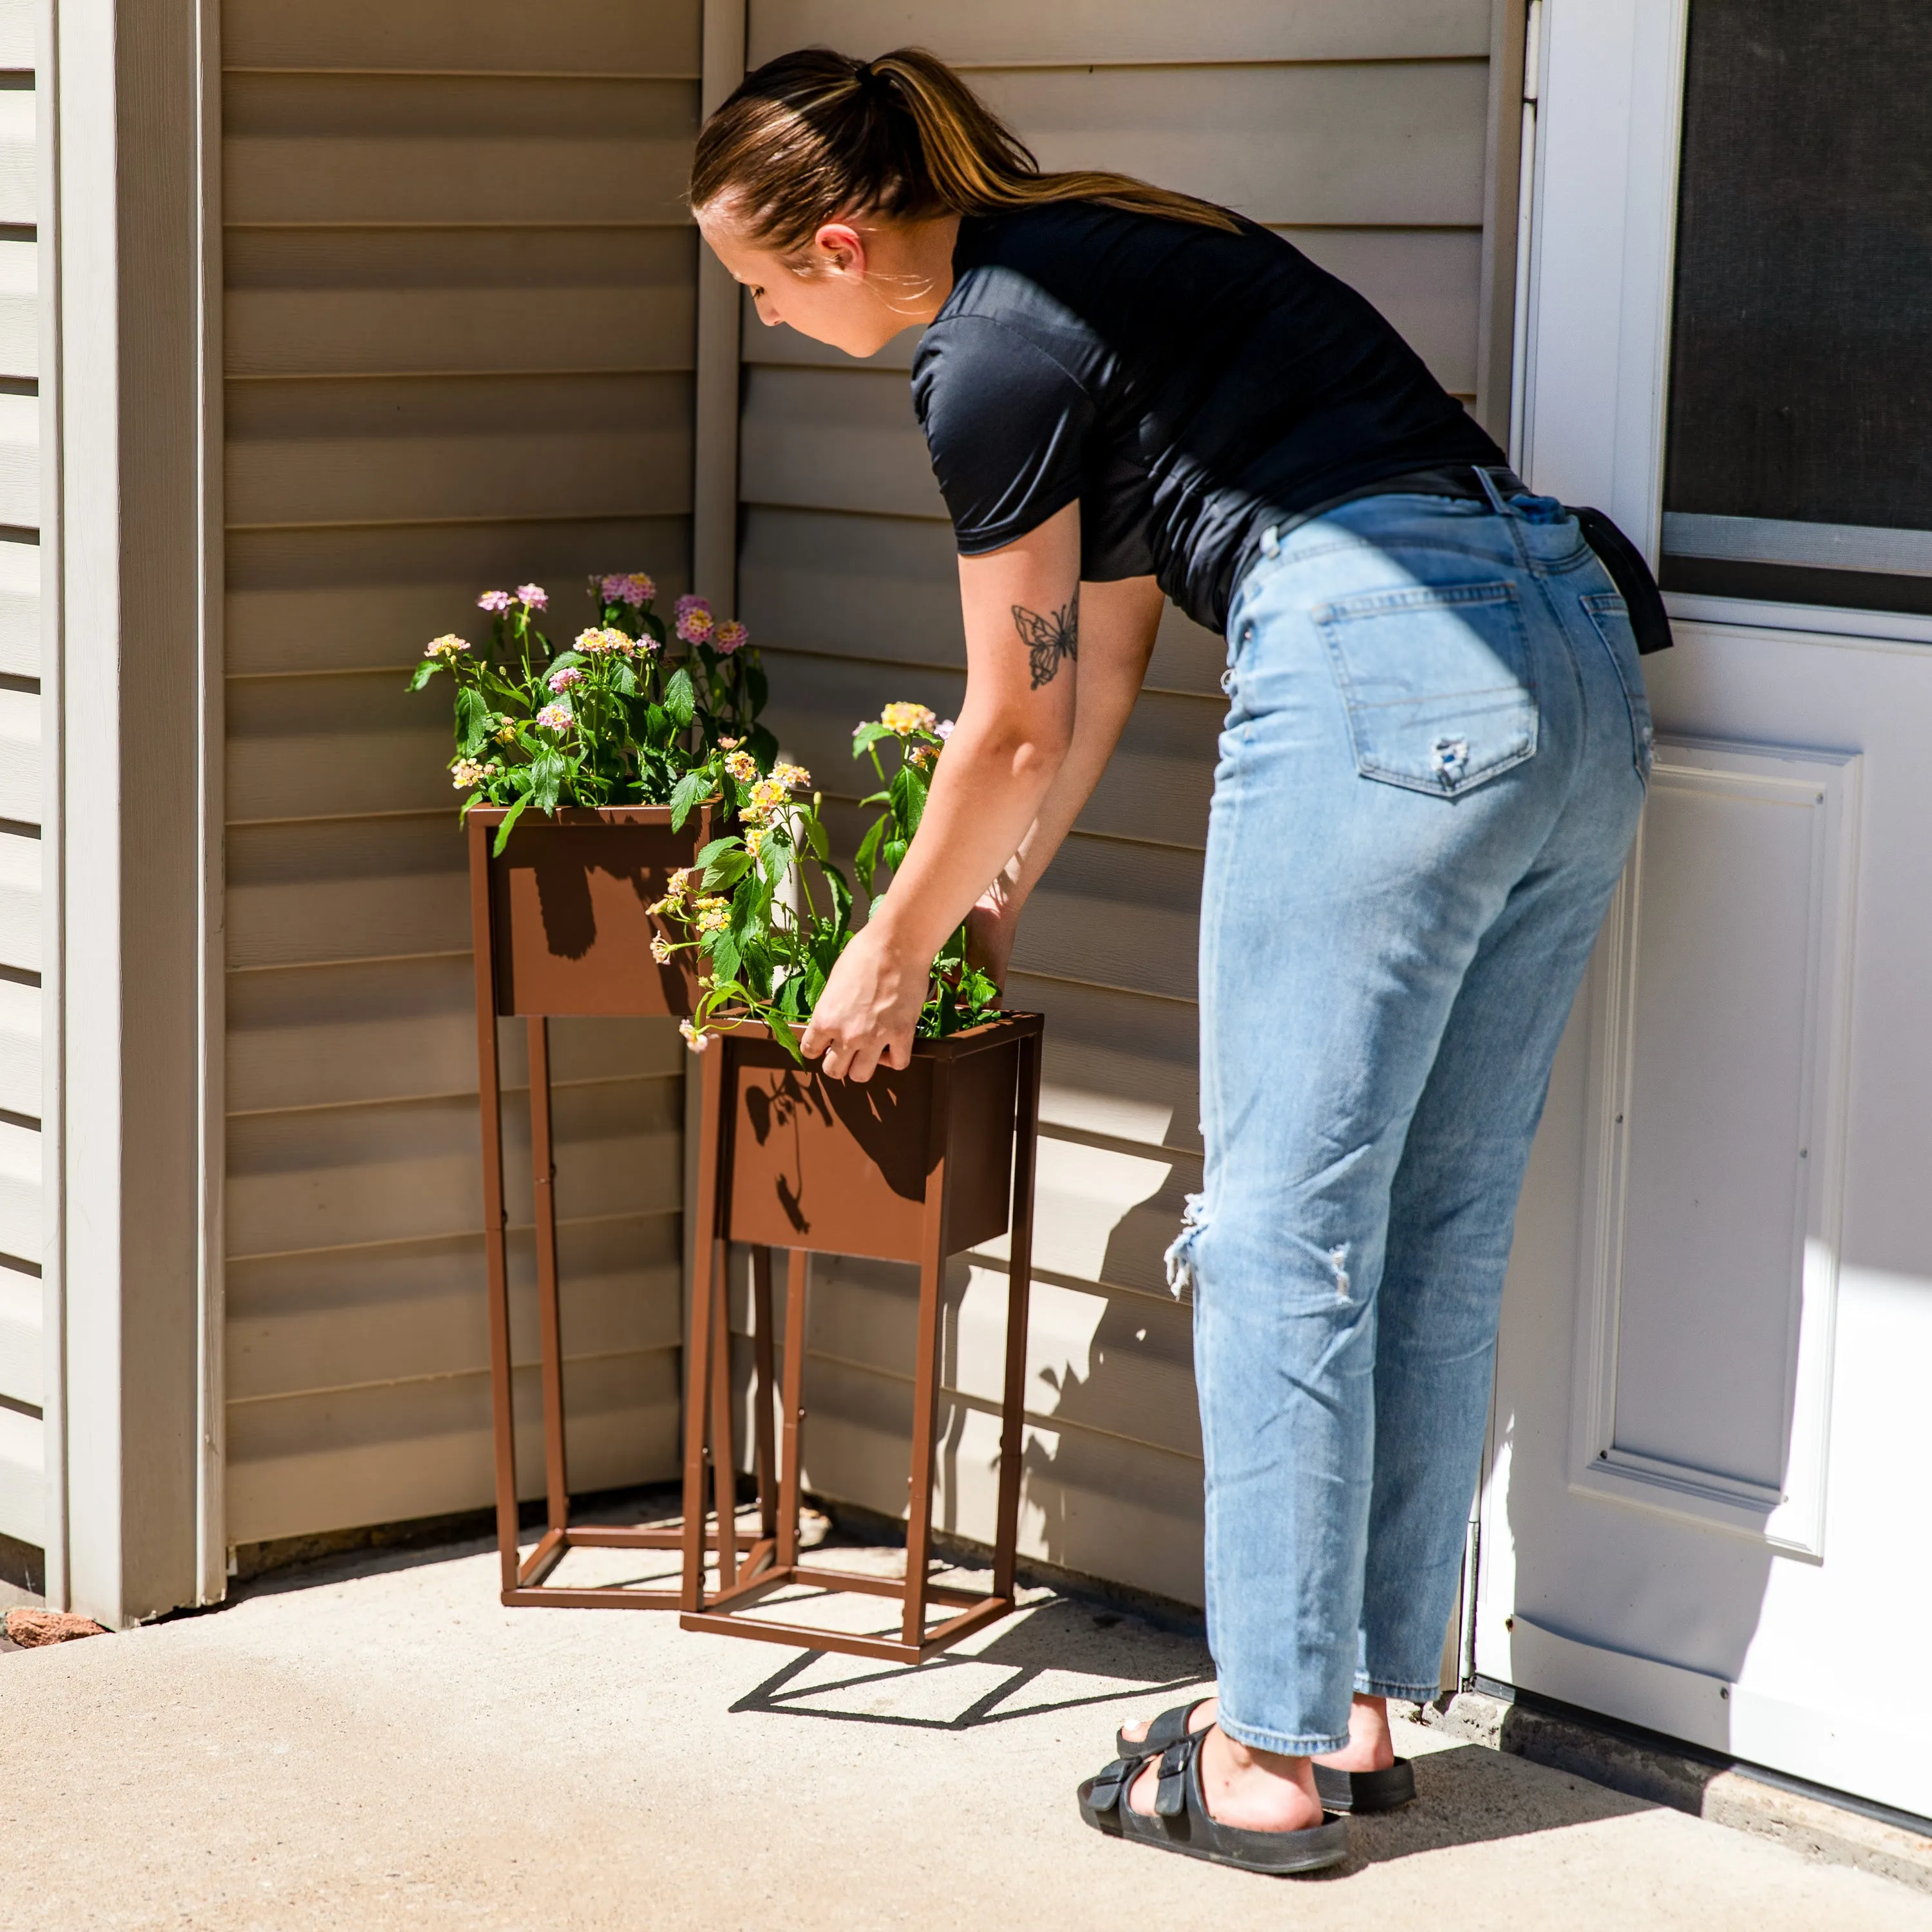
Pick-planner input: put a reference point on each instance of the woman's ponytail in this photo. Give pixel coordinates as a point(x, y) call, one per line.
point(814, 136)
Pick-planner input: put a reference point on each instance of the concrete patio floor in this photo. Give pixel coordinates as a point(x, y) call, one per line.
point(376, 1743)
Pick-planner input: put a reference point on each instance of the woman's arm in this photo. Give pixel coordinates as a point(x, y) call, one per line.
point(1016, 727)
point(1117, 623)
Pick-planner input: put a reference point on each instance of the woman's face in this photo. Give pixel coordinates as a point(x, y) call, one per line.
point(836, 296)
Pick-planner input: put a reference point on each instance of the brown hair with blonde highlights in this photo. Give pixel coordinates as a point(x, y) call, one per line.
point(814, 136)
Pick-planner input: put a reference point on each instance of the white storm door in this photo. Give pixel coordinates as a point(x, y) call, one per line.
point(1704, 1504)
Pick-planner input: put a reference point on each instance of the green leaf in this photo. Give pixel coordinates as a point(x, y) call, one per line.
point(680, 700)
point(908, 791)
point(841, 897)
point(816, 840)
point(893, 856)
point(423, 672)
point(726, 870)
point(473, 720)
point(685, 795)
point(548, 770)
point(866, 861)
point(867, 735)
point(724, 956)
point(782, 1033)
point(727, 844)
point(756, 689)
point(624, 678)
point(763, 747)
point(510, 817)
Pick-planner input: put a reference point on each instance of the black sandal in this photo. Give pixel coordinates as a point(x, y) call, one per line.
point(1180, 1821)
point(1361, 1791)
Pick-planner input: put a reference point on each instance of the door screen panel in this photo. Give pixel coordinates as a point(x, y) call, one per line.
point(1799, 460)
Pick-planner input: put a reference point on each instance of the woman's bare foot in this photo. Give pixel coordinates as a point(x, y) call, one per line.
point(1369, 1747)
point(1258, 1791)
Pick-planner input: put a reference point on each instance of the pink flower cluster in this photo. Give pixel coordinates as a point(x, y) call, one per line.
point(560, 681)
point(729, 636)
point(634, 589)
point(533, 596)
point(555, 718)
point(695, 623)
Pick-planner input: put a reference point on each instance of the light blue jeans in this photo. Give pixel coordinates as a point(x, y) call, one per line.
point(1435, 755)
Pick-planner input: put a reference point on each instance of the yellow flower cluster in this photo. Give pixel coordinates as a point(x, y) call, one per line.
point(678, 887)
point(791, 776)
point(906, 718)
point(449, 646)
point(601, 642)
point(771, 794)
point(742, 766)
point(467, 772)
point(714, 915)
point(923, 756)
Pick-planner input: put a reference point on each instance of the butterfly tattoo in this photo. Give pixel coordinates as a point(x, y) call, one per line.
point(1048, 640)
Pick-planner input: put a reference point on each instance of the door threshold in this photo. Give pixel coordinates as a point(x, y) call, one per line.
point(1833, 1827)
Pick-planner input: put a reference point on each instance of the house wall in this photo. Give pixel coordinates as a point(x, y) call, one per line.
point(22, 1394)
point(460, 291)
point(1361, 131)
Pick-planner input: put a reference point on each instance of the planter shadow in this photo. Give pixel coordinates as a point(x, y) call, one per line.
point(916, 1164)
point(561, 928)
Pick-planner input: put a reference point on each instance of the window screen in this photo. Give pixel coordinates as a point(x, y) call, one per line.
point(1799, 457)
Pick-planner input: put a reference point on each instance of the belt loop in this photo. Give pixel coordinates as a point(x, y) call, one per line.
point(1271, 540)
point(1489, 489)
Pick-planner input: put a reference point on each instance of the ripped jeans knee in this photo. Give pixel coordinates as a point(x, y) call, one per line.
point(1181, 1255)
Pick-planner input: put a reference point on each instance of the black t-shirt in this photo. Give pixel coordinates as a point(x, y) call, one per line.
point(1189, 386)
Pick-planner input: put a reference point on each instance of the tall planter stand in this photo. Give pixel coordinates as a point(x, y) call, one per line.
point(561, 929)
point(914, 1166)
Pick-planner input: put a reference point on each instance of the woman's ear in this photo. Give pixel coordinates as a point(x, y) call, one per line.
point(838, 250)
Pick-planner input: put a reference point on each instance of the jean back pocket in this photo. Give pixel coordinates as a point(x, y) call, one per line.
point(1436, 682)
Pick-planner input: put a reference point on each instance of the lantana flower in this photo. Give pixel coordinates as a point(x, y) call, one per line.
point(697, 1041)
point(790, 776)
point(631, 587)
point(446, 647)
point(555, 718)
point(534, 595)
point(906, 718)
point(466, 772)
point(695, 621)
point(601, 642)
point(742, 766)
point(660, 949)
point(945, 727)
point(497, 602)
point(729, 637)
point(560, 681)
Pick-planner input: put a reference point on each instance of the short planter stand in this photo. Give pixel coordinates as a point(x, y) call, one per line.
point(561, 929)
point(914, 1166)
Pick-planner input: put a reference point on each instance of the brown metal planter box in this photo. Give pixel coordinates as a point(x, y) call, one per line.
point(914, 1166)
point(560, 927)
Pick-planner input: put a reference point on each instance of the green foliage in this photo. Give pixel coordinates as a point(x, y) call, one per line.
point(634, 711)
point(746, 907)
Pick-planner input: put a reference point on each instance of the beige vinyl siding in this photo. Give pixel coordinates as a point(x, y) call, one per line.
point(459, 319)
point(22, 1369)
point(1356, 128)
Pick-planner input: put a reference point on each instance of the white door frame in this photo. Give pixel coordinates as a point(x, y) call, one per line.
point(1594, 368)
point(132, 579)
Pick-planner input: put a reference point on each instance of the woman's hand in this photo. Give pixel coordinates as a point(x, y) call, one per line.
point(992, 927)
point(869, 1008)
